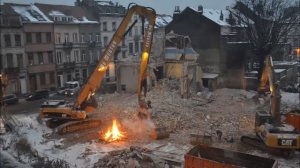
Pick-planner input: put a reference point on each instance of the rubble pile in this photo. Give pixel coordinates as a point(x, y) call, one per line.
point(129, 158)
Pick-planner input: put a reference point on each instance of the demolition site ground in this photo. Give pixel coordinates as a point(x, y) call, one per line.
point(230, 112)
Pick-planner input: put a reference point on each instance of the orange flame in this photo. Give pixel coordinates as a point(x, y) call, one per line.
point(113, 134)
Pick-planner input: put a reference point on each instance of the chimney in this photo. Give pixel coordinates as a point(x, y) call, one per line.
point(200, 9)
point(177, 9)
point(221, 15)
point(176, 12)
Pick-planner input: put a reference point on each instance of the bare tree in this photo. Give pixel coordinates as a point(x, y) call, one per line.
point(267, 24)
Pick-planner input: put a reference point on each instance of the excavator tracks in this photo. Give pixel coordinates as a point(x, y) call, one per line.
point(254, 141)
point(74, 126)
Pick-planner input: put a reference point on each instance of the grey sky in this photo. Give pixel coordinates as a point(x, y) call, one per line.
point(161, 6)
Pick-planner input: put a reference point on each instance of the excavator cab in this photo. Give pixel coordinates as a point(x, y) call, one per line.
point(262, 117)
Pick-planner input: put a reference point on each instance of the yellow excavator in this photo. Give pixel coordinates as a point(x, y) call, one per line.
point(271, 134)
point(73, 117)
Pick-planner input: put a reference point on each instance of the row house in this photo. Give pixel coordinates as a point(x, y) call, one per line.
point(39, 48)
point(12, 57)
point(77, 41)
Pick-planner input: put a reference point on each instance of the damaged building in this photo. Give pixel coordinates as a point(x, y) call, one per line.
point(219, 39)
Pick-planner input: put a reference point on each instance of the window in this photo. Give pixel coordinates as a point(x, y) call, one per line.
point(82, 38)
point(107, 74)
point(38, 37)
point(98, 37)
point(84, 73)
point(28, 38)
point(91, 37)
point(105, 41)
point(7, 40)
point(136, 31)
point(141, 46)
point(52, 77)
point(58, 38)
point(50, 57)
point(9, 60)
point(123, 54)
point(130, 48)
point(17, 40)
point(123, 42)
point(48, 37)
point(42, 79)
point(136, 46)
point(20, 60)
point(76, 55)
point(83, 56)
point(30, 58)
point(130, 32)
point(40, 58)
point(58, 57)
point(67, 37)
point(114, 26)
point(75, 38)
point(104, 26)
point(64, 19)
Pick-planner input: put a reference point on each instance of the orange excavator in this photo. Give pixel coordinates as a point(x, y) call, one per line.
point(272, 134)
point(73, 117)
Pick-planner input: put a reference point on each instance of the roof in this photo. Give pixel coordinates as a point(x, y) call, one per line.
point(215, 16)
point(30, 13)
point(162, 20)
point(78, 13)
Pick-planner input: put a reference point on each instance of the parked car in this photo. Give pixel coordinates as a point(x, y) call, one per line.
point(10, 99)
point(38, 95)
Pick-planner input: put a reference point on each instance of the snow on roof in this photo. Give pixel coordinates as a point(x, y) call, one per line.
point(30, 13)
point(56, 13)
point(214, 15)
point(279, 70)
point(162, 20)
point(210, 75)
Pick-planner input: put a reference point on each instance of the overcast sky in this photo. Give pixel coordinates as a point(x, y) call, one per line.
point(161, 6)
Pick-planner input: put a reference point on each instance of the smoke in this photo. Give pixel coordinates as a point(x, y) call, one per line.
point(139, 128)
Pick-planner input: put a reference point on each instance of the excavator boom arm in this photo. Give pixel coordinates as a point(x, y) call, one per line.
point(97, 75)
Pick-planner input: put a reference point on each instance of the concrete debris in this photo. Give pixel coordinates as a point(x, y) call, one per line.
point(134, 157)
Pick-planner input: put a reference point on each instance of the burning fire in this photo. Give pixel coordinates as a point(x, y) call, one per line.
point(113, 133)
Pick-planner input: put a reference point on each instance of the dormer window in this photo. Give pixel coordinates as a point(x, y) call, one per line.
point(70, 19)
point(64, 19)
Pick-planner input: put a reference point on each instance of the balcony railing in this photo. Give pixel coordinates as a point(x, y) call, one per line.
point(92, 44)
point(68, 45)
point(68, 65)
point(12, 70)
